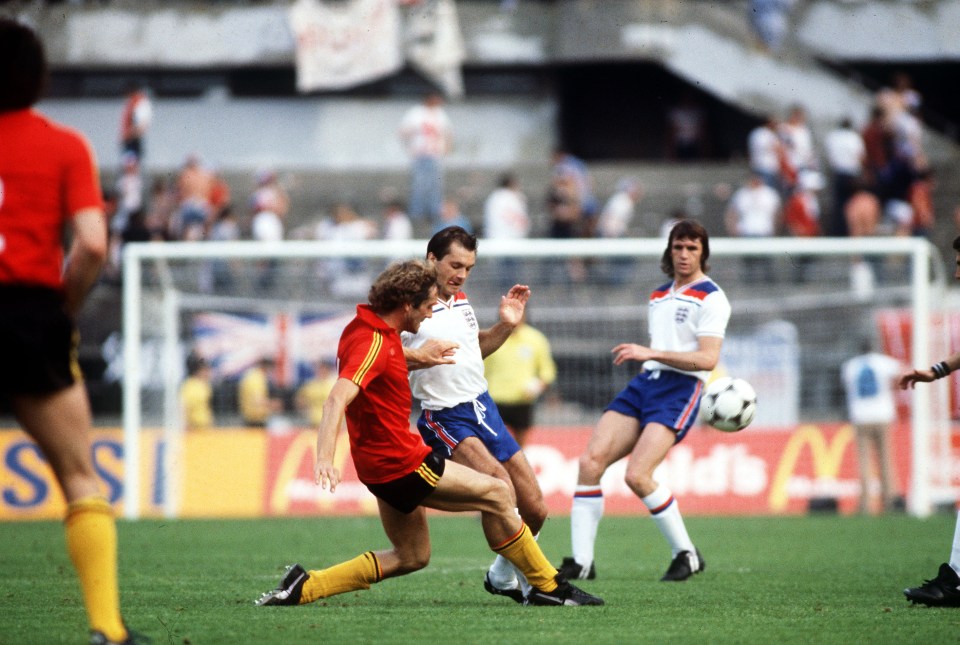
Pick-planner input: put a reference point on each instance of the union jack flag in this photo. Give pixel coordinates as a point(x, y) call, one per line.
point(297, 342)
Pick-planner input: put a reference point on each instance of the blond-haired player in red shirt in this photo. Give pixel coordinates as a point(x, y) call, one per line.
point(48, 183)
point(406, 476)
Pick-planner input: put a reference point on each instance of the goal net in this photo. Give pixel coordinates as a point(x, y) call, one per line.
point(800, 308)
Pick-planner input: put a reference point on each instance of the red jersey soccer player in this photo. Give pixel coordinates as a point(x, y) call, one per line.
point(397, 467)
point(48, 181)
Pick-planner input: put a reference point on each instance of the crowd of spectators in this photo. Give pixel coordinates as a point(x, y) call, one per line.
point(877, 174)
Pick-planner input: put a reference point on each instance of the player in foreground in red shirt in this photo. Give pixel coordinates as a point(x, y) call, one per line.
point(48, 183)
point(397, 467)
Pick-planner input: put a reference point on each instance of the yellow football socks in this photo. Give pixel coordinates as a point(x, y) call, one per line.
point(92, 544)
point(351, 575)
point(524, 552)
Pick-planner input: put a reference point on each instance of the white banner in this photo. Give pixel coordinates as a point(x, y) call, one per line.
point(345, 44)
point(435, 45)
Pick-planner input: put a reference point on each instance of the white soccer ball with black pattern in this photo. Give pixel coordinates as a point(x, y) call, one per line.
point(728, 404)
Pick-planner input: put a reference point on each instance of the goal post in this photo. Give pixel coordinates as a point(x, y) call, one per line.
point(588, 294)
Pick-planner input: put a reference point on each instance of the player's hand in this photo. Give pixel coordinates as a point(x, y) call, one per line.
point(326, 474)
point(909, 380)
point(437, 351)
point(513, 304)
point(630, 352)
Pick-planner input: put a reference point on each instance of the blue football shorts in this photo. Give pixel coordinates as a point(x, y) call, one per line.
point(661, 396)
point(443, 429)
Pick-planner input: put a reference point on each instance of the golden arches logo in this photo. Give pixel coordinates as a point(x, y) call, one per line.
point(825, 456)
point(305, 443)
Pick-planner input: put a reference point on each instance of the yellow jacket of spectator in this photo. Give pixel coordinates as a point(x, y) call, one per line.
point(253, 396)
point(195, 396)
point(522, 368)
point(312, 395)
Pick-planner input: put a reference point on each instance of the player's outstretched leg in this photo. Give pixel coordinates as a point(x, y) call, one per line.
point(942, 591)
point(299, 586)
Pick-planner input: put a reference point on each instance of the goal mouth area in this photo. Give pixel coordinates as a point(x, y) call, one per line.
point(583, 314)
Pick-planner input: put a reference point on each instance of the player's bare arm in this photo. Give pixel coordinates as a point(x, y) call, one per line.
point(909, 380)
point(705, 357)
point(435, 351)
point(324, 472)
point(88, 252)
point(512, 306)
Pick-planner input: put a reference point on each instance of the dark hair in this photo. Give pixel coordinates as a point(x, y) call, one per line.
point(441, 242)
point(402, 283)
point(23, 66)
point(686, 229)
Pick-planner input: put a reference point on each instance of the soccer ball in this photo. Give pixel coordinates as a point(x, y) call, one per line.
point(728, 404)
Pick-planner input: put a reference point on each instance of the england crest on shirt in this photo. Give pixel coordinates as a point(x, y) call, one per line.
point(681, 314)
point(469, 316)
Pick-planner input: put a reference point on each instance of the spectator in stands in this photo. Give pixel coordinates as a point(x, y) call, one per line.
point(196, 394)
point(347, 277)
point(802, 217)
point(194, 187)
point(313, 393)
point(219, 271)
point(687, 129)
point(161, 208)
point(921, 202)
point(755, 211)
point(518, 374)
point(613, 223)
point(505, 217)
point(270, 194)
point(798, 146)
point(868, 380)
point(766, 152)
point(135, 121)
point(451, 215)
point(846, 154)
point(129, 190)
point(396, 222)
point(257, 397)
point(617, 213)
point(566, 221)
point(563, 207)
point(129, 200)
point(572, 168)
point(877, 145)
point(426, 134)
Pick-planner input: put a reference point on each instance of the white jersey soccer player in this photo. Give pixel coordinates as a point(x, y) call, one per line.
point(687, 322)
point(679, 317)
point(445, 386)
point(458, 418)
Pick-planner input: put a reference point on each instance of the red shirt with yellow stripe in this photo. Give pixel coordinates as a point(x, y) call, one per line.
point(378, 420)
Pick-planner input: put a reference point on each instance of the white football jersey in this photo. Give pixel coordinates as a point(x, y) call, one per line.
point(444, 386)
point(679, 317)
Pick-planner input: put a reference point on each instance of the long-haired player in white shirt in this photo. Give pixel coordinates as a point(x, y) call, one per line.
point(687, 322)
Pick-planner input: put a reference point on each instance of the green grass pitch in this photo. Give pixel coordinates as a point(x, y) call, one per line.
point(824, 579)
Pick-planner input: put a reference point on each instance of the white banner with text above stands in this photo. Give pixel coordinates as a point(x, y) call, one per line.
point(343, 44)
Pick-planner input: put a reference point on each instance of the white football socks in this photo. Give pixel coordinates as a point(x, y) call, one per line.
point(585, 514)
point(666, 514)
